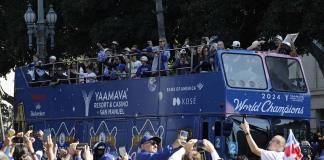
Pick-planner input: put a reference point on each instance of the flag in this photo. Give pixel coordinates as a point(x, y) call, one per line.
point(292, 149)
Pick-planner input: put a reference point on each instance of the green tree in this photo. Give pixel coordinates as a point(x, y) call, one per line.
point(82, 23)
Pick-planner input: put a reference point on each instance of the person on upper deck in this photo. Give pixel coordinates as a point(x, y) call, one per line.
point(236, 45)
point(220, 45)
point(181, 63)
point(161, 57)
point(287, 48)
point(145, 69)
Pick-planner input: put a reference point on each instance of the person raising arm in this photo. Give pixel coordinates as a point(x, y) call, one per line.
point(275, 148)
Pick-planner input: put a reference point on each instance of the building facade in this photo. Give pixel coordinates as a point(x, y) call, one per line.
point(315, 80)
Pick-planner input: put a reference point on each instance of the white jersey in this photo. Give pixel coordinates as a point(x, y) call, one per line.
point(271, 155)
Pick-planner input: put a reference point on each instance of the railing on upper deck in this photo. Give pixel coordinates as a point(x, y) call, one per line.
point(193, 65)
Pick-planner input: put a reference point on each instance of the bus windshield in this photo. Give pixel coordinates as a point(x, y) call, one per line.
point(286, 74)
point(244, 71)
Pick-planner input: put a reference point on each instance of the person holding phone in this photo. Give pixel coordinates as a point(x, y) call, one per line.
point(275, 148)
point(190, 150)
point(151, 148)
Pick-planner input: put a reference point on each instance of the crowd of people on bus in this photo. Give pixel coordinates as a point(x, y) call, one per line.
point(39, 146)
point(161, 60)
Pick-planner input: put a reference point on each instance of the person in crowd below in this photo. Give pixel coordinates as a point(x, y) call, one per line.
point(220, 45)
point(306, 150)
point(24, 149)
point(151, 148)
point(145, 69)
point(275, 148)
point(320, 140)
point(287, 49)
point(236, 45)
point(161, 57)
point(181, 63)
point(205, 61)
point(3, 156)
point(191, 152)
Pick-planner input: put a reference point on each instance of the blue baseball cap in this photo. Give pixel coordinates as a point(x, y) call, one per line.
point(150, 137)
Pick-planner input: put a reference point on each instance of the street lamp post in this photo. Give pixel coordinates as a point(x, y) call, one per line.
point(1, 121)
point(42, 29)
point(160, 18)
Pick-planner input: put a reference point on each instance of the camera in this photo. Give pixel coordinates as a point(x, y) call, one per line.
point(80, 146)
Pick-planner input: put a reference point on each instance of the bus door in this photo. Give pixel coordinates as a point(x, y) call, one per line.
point(212, 129)
point(236, 141)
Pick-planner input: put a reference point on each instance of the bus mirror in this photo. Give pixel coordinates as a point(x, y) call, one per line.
point(217, 128)
point(227, 127)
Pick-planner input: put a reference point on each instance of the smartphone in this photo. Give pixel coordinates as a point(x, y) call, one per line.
point(80, 146)
point(183, 137)
point(47, 132)
point(31, 127)
point(122, 151)
point(243, 118)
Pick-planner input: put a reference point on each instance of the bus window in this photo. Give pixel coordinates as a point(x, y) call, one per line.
point(244, 71)
point(286, 74)
point(259, 129)
point(299, 128)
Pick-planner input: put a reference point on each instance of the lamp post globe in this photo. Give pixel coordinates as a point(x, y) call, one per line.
point(51, 16)
point(30, 15)
point(42, 30)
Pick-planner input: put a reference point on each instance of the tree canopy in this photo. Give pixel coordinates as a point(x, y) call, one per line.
point(82, 23)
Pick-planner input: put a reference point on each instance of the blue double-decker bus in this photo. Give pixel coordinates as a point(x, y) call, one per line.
point(269, 88)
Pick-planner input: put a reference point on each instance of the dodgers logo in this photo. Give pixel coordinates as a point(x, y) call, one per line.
point(62, 139)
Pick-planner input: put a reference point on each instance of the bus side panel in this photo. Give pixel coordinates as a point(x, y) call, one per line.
point(195, 93)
